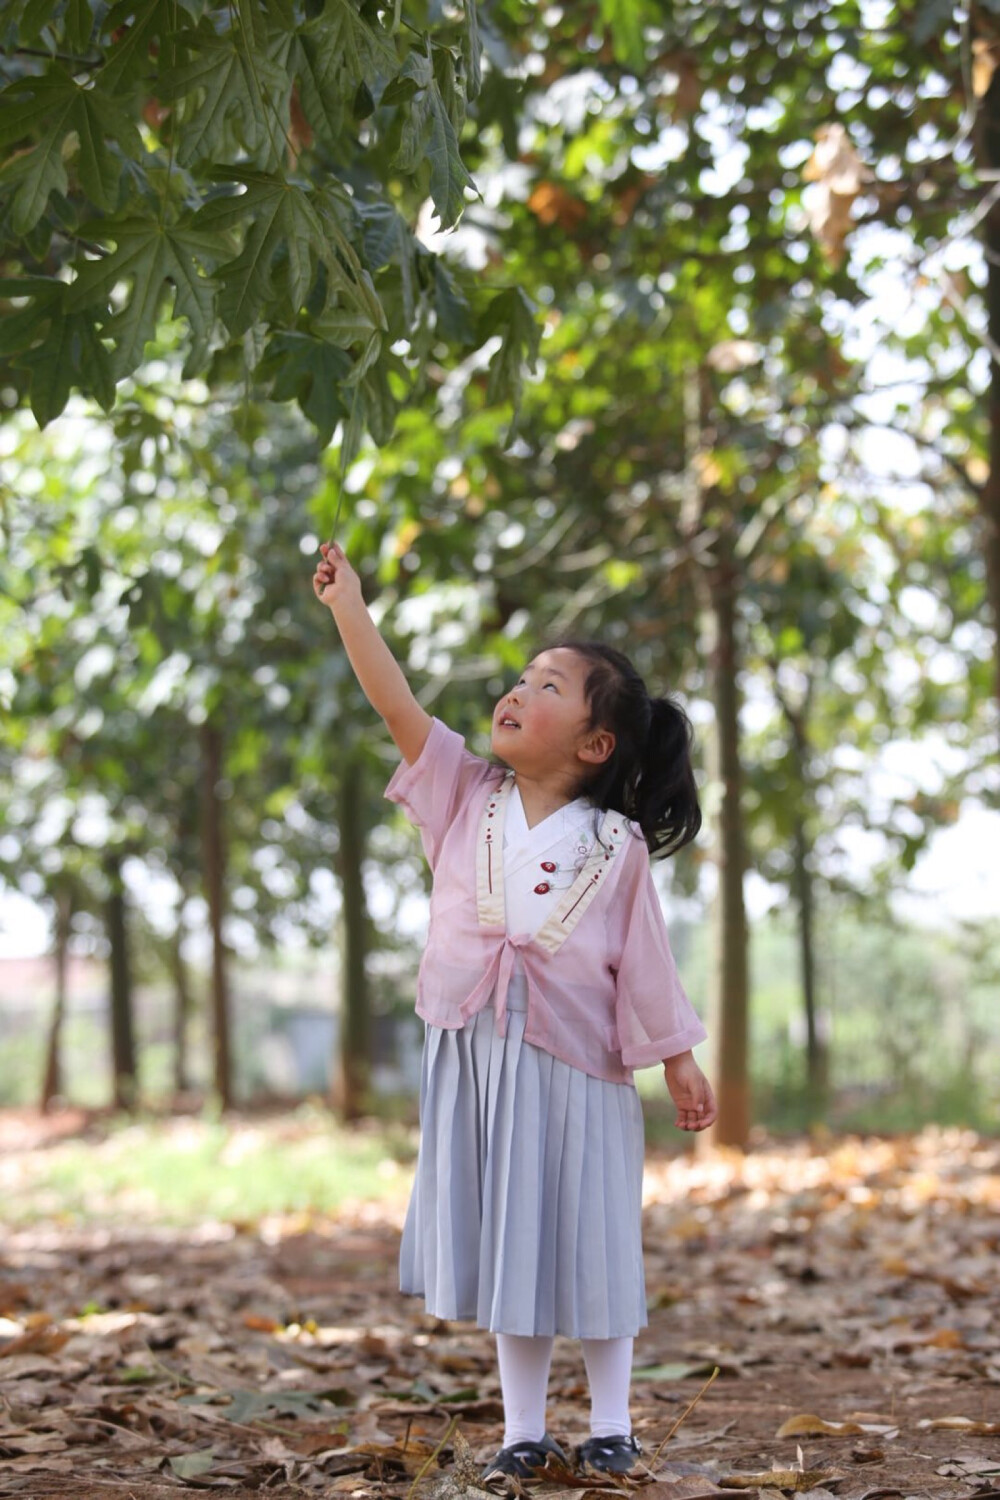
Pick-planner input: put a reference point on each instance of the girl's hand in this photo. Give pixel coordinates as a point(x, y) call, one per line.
point(335, 581)
point(691, 1092)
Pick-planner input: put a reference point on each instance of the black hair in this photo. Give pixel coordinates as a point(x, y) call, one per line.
point(648, 776)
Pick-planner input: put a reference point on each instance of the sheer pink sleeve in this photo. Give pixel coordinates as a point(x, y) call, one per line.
point(654, 1016)
point(433, 789)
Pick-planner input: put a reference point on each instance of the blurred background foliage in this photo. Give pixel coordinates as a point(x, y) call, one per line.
point(708, 368)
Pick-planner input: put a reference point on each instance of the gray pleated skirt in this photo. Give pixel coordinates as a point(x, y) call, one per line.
point(526, 1209)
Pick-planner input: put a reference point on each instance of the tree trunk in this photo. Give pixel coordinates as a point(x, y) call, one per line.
point(716, 588)
point(816, 1057)
point(214, 872)
point(182, 1005)
point(352, 1069)
point(123, 1056)
point(729, 999)
point(52, 1082)
point(989, 495)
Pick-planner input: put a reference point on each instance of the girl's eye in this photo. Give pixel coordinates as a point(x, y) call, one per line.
point(552, 686)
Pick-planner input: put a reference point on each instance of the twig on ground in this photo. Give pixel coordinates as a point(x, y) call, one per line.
point(683, 1417)
point(426, 1465)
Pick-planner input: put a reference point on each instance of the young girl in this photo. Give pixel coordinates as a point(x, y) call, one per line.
point(546, 979)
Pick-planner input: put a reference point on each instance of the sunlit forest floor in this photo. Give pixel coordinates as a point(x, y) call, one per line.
point(847, 1292)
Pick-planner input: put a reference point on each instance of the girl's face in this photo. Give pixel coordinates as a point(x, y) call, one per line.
point(541, 727)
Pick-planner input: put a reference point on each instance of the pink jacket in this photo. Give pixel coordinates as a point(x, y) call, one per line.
point(603, 991)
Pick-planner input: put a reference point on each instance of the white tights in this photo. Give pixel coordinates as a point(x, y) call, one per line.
point(524, 1378)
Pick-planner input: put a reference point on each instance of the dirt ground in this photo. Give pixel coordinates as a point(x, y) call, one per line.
point(847, 1294)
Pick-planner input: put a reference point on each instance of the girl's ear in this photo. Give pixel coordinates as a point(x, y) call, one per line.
point(597, 747)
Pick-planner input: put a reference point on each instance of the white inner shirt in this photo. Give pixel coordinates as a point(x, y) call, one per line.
point(563, 838)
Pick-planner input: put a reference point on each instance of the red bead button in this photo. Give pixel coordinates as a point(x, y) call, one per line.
point(548, 866)
point(542, 888)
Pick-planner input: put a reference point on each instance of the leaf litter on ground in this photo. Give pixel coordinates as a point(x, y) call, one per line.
point(848, 1292)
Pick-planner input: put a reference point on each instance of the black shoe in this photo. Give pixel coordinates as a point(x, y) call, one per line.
point(521, 1460)
point(609, 1455)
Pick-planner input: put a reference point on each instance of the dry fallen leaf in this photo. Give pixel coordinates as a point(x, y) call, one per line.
point(807, 1425)
point(961, 1424)
point(795, 1480)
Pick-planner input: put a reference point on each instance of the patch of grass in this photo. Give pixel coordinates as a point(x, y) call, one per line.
point(181, 1171)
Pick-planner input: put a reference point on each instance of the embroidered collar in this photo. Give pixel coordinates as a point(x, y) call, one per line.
point(489, 870)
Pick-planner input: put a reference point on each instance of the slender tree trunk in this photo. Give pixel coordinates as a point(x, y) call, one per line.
point(52, 1082)
point(816, 1058)
point(122, 1029)
point(817, 1073)
point(352, 1068)
point(729, 983)
point(214, 871)
point(989, 495)
point(729, 1004)
point(182, 1005)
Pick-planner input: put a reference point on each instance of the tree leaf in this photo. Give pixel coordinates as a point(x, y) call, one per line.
point(56, 108)
point(454, 316)
point(366, 53)
point(150, 257)
point(343, 328)
point(428, 131)
point(36, 174)
point(472, 49)
point(79, 24)
point(310, 371)
point(68, 354)
point(512, 315)
point(136, 29)
point(283, 221)
point(225, 87)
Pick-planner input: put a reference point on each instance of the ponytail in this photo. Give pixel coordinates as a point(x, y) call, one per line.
point(648, 776)
point(665, 795)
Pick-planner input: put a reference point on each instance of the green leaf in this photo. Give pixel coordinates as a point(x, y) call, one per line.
point(151, 257)
point(454, 316)
point(248, 1406)
point(366, 52)
point(192, 1465)
point(137, 28)
point(317, 64)
point(69, 354)
point(66, 117)
point(625, 20)
point(428, 131)
point(472, 49)
point(672, 1372)
point(512, 315)
point(379, 406)
point(35, 175)
point(226, 86)
point(343, 328)
point(336, 56)
point(309, 371)
point(79, 24)
point(388, 239)
point(27, 19)
point(283, 219)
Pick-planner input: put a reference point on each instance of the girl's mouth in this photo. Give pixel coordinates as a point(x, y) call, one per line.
point(506, 722)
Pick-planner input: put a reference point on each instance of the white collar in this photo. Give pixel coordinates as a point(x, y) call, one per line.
point(564, 820)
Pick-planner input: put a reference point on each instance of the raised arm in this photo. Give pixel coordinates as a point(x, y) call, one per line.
point(336, 585)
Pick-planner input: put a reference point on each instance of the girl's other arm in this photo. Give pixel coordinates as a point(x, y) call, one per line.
point(691, 1092)
point(336, 585)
